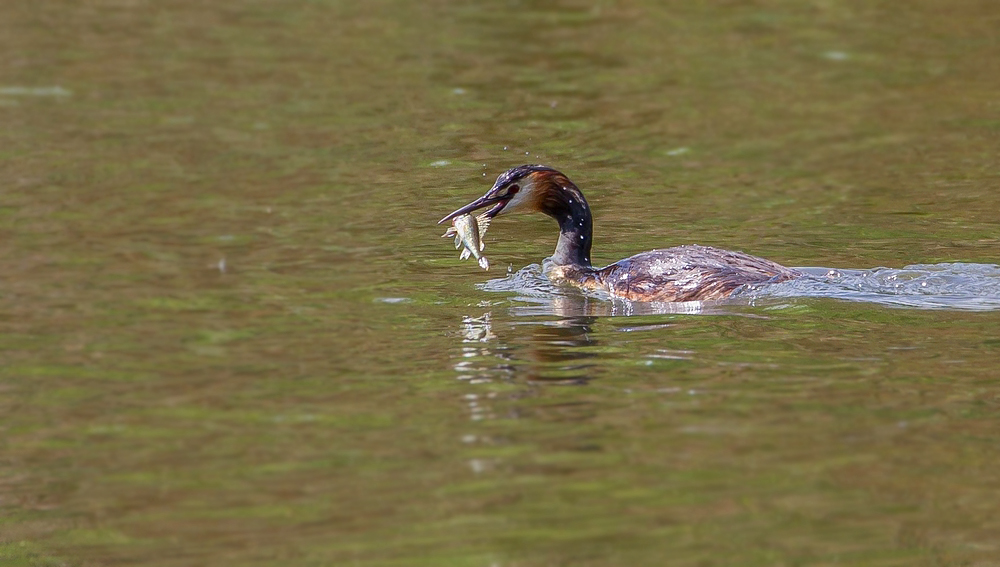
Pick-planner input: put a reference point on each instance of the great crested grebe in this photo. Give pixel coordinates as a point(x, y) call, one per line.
point(681, 273)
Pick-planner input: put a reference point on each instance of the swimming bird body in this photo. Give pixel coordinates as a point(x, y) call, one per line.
point(682, 273)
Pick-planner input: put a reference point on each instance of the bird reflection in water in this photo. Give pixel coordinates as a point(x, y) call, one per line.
point(557, 351)
point(479, 352)
point(554, 351)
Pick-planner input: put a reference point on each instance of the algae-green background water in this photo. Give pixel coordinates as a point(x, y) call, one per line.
point(230, 334)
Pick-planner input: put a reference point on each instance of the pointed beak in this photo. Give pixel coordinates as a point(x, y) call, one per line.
point(484, 201)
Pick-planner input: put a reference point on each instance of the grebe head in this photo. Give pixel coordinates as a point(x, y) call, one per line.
point(543, 189)
point(522, 188)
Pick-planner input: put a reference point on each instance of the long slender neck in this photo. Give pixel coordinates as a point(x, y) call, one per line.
point(576, 228)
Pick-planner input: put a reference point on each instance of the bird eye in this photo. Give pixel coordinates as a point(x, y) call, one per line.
point(512, 190)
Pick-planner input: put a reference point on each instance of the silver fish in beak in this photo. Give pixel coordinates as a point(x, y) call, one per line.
point(468, 232)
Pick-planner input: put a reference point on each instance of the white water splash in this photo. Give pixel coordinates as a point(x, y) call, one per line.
point(960, 286)
point(954, 286)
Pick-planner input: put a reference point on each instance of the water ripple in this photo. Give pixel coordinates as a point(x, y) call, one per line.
point(961, 286)
point(955, 286)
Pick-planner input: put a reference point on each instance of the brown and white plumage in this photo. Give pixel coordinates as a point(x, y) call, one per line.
point(682, 273)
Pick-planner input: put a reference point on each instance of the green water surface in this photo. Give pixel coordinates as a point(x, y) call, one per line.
point(231, 335)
